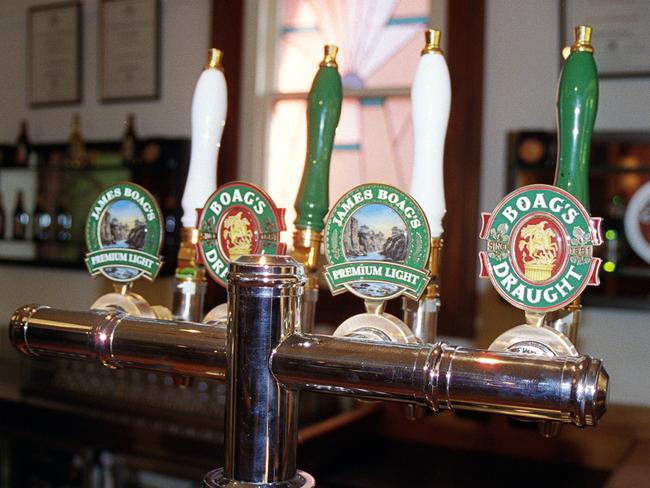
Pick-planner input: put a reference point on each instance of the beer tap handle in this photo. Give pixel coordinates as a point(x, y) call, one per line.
point(312, 202)
point(209, 107)
point(577, 104)
point(323, 112)
point(430, 105)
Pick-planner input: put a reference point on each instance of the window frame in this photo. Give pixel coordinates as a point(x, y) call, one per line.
point(464, 25)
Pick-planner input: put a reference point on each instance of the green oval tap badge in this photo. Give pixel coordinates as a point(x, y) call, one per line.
point(238, 219)
point(540, 248)
point(123, 234)
point(377, 242)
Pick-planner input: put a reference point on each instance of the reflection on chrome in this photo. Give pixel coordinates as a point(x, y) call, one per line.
point(266, 362)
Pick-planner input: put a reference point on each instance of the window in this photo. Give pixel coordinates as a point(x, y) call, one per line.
point(380, 43)
point(379, 48)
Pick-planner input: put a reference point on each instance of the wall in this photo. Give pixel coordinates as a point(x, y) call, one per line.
point(521, 71)
point(185, 40)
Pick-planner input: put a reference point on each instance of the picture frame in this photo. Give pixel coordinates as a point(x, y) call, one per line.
point(54, 54)
point(621, 38)
point(129, 50)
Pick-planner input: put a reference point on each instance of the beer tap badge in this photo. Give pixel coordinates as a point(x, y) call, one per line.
point(377, 243)
point(540, 243)
point(238, 219)
point(124, 234)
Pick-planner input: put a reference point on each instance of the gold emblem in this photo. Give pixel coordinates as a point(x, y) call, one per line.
point(238, 235)
point(539, 251)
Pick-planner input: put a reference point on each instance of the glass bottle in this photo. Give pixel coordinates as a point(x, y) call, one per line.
point(21, 218)
point(42, 221)
point(63, 224)
point(3, 218)
point(23, 146)
point(76, 144)
point(128, 148)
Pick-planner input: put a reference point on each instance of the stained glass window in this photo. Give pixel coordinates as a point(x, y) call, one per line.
point(379, 47)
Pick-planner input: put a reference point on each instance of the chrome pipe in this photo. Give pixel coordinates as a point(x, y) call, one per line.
point(422, 317)
point(570, 390)
point(188, 300)
point(261, 425)
point(310, 299)
point(118, 340)
point(566, 321)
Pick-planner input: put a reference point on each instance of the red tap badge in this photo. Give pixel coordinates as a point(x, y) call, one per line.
point(539, 252)
point(238, 219)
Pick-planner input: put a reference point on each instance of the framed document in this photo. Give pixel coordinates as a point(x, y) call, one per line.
point(129, 50)
point(621, 37)
point(54, 54)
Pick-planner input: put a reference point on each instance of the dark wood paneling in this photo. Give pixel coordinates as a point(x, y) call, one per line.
point(466, 22)
point(227, 35)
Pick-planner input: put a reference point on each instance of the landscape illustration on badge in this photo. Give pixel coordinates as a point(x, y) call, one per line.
point(377, 244)
point(238, 219)
point(539, 252)
point(123, 234)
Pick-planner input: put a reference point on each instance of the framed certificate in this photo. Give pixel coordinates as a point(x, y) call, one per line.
point(54, 54)
point(129, 50)
point(621, 37)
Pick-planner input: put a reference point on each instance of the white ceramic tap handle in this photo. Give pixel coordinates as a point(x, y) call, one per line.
point(209, 107)
point(430, 105)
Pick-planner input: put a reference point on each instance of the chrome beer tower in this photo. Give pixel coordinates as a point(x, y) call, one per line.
point(266, 361)
point(266, 355)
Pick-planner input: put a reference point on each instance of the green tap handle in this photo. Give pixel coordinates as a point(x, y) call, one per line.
point(577, 104)
point(323, 112)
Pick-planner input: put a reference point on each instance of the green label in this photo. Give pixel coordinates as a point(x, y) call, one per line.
point(539, 252)
point(238, 219)
point(377, 242)
point(123, 234)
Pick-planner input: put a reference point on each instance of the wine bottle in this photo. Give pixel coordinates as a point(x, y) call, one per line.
point(21, 218)
point(42, 221)
point(3, 219)
point(63, 230)
point(23, 146)
point(128, 149)
point(76, 145)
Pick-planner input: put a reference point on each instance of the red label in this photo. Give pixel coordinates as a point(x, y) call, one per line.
point(539, 248)
point(239, 232)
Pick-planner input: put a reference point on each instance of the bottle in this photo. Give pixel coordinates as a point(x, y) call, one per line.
point(21, 218)
point(3, 219)
point(128, 148)
point(23, 146)
point(63, 231)
point(42, 221)
point(76, 145)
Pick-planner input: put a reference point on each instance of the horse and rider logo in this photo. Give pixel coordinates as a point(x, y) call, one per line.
point(539, 253)
point(238, 219)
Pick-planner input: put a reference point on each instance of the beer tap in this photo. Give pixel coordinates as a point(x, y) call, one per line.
point(312, 202)
point(265, 355)
point(209, 107)
point(577, 104)
point(550, 252)
point(123, 237)
point(267, 361)
point(430, 105)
